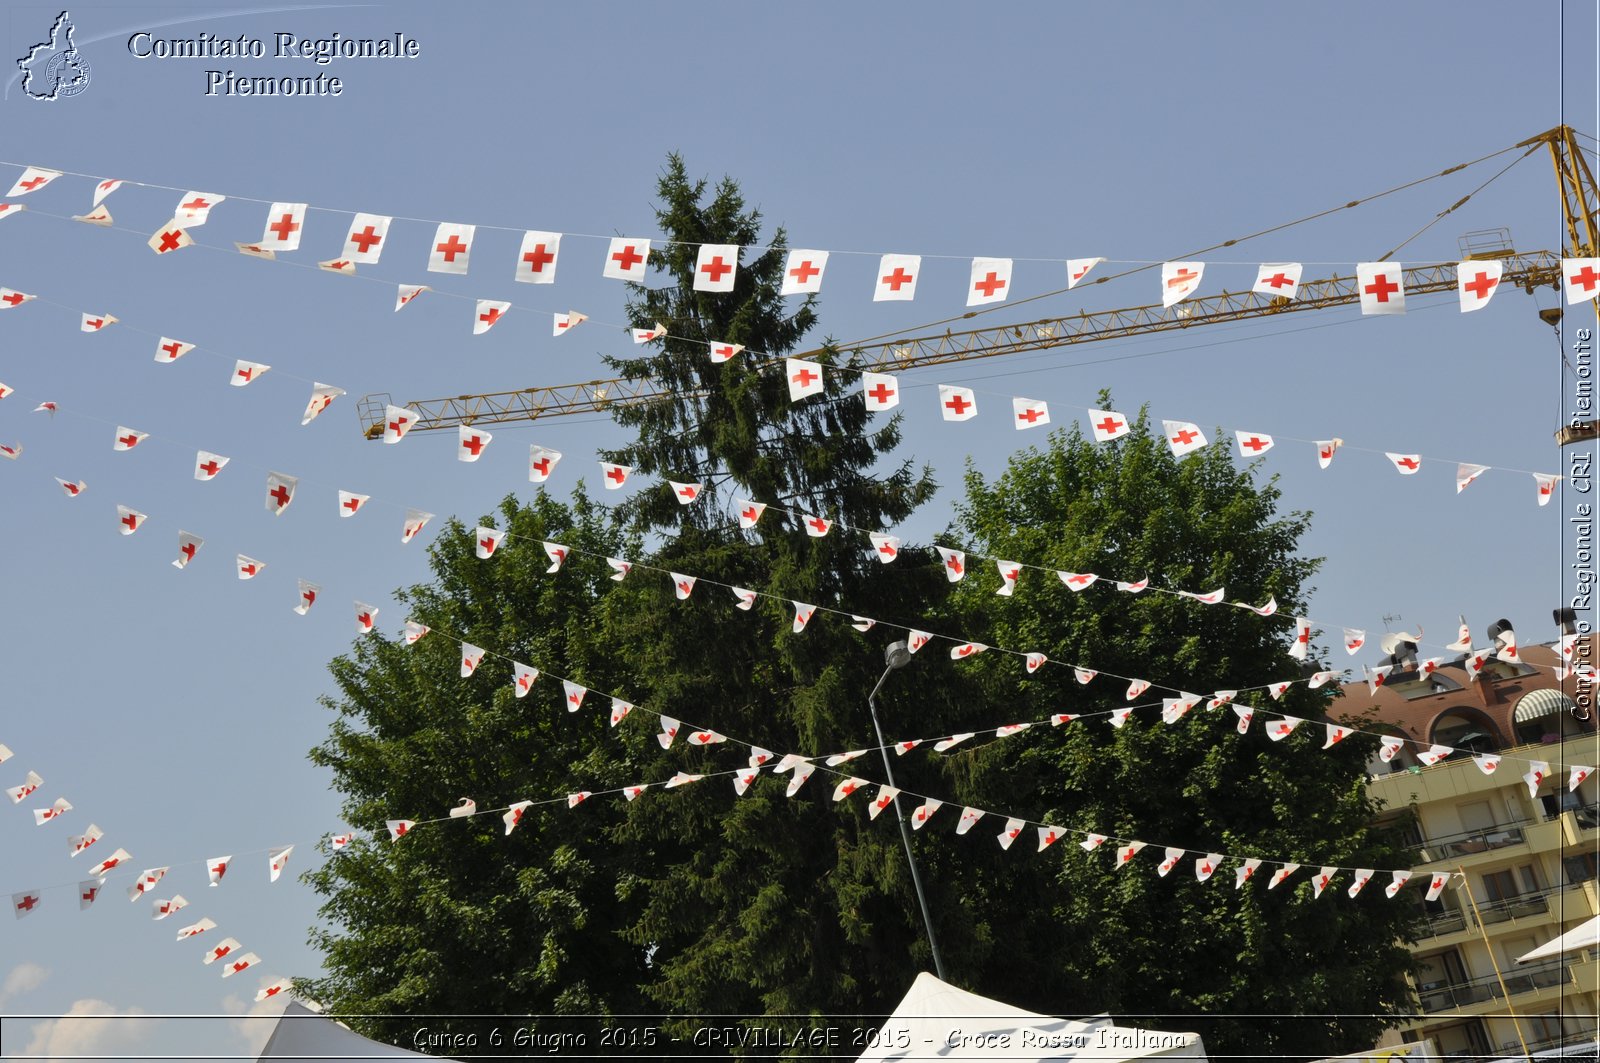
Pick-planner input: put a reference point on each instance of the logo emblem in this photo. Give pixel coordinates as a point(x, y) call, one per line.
point(54, 69)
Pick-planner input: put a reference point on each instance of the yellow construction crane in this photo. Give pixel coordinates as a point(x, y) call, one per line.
point(1580, 201)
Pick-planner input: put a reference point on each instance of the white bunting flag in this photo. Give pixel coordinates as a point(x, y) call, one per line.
point(1354, 639)
point(1245, 872)
point(350, 503)
point(645, 335)
point(195, 207)
point(897, 278)
point(281, 987)
point(189, 544)
point(488, 315)
point(614, 476)
point(193, 928)
point(216, 868)
point(924, 812)
point(750, 512)
point(722, 352)
point(746, 598)
point(915, 640)
point(249, 250)
point(541, 463)
point(884, 547)
point(523, 677)
point(1279, 280)
point(41, 816)
point(73, 488)
point(1336, 734)
point(1179, 280)
point(1035, 661)
point(116, 859)
point(1245, 714)
point(1119, 717)
point(1135, 688)
point(682, 585)
point(1253, 444)
point(129, 520)
point(1077, 581)
point(805, 378)
point(798, 777)
point(397, 421)
point(398, 828)
point(1546, 485)
point(1535, 777)
point(1107, 425)
point(1084, 675)
point(802, 273)
point(715, 267)
point(127, 438)
point(1280, 875)
point(248, 567)
point(802, 615)
point(1465, 474)
point(24, 903)
point(244, 372)
point(1487, 762)
point(861, 623)
point(465, 807)
point(1125, 853)
point(1278, 730)
point(1400, 878)
point(1206, 866)
point(1091, 842)
point(990, 281)
point(1302, 639)
point(626, 258)
point(1405, 464)
point(284, 222)
point(880, 391)
point(277, 860)
point(89, 890)
point(1363, 876)
point(404, 293)
point(451, 248)
point(280, 492)
point(366, 239)
point(1579, 773)
point(969, 819)
point(308, 596)
point(1321, 880)
point(414, 632)
point(1382, 287)
point(1580, 277)
point(685, 493)
point(557, 555)
point(1012, 831)
point(486, 541)
point(882, 800)
point(816, 527)
point(1029, 413)
point(1175, 709)
point(34, 178)
point(1184, 437)
point(1048, 836)
point(170, 350)
point(242, 963)
point(80, 842)
point(945, 744)
point(322, 396)
point(207, 465)
point(9, 299)
point(1436, 886)
point(471, 657)
point(573, 695)
point(536, 261)
point(514, 813)
point(225, 947)
point(1435, 753)
point(1078, 268)
point(957, 403)
point(173, 237)
point(1476, 283)
point(1169, 861)
point(1009, 573)
point(366, 618)
point(955, 563)
point(1388, 746)
point(1326, 448)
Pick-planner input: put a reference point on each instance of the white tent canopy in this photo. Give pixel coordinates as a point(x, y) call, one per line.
point(939, 1021)
point(1586, 936)
point(301, 1034)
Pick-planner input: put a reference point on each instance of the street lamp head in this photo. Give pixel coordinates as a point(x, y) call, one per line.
point(896, 655)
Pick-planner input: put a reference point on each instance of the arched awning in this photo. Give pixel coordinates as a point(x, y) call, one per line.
point(1537, 704)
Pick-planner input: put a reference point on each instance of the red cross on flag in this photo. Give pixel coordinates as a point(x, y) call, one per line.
point(805, 378)
point(514, 814)
point(1302, 638)
point(488, 314)
point(1534, 778)
point(11, 451)
point(32, 179)
point(626, 258)
point(41, 816)
point(1282, 874)
point(1476, 283)
point(915, 640)
point(1048, 836)
point(172, 237)
point(189, 544)
point(350, 503)
point(882, 800)
point(284, 222)
point(365, 242)
point(8, 209)
point(1135, 587)
point(1354, 639)
point(802, 615)
point(244, 372)
point(523, 677)
point(847, 787)
point(745, 598)
point(1010, 571)
point(685, 493)
point(682, 585)
point(1430, 666)
point(100, 216)
point(1179, 280)
point(1436, 886)
point(955, 563)
point(1245, 714)
point(73, 488)
point(1277, 279)
point(342, 266)
point(1253, 444)
point(1405, 464)
point(924, 812)
point(9, 298)
point(1580, 278)
point(195, 207)
point(1388, 746)
point(1012, 831)
point(398, 828)
point(715, 267)
point(1579, 773)
point(880, 391)
point(277, 860)
point(1035, 661)
point(89, 889)
point(80, 842)
point(902, 748)
point(280, 492)
point(706, 738)
point(397, 421)
point(957, 403)
point(884, 547)
point(1245, 872)
point(573, 695)
point(1326, 448)
point(222, 948)
point(243, 963)
point(404, 293)
point(127, 438)
point(1169, 860)
point(193, 928)
point(250, 250)
point(990, 281)
point(1028, 413)
point(816, 527)
point(1269, 609)
point(1487, 762)
point(743, 779)
point(207, 465)
point(1120, 716)
point(104, 189)
point(536, 261)
point(129, 520)
point(1320, 881)
point(1125, 853)
point(216, 868)
point(861, 623)
point(24, 903)
point(897, 278)
point(1278, 730)
point(5, 390)
point(1208, 598)
point(749, 512)
point(951, 742)
point(413, 632)
point(845, 758)
point(170, 350)
point(797, 778)
point(1135, 688)
point(614, 476)
point(557, 555)
point(366, 618)
point(307, 596)
point(471, 657)
point(1077, 581)
point(266, 992)
point(1107, 425)
point(1078, 268)
point(1336, 734)
point(1175, 709)
point(1400, 878)
point(1376, 677)
point(116, 859)
point(1546, 484)
point(1184, 437)
point(1091, 842)
point(486, 541)
point(802, 273)
point(452, 247)
point(1382, 287)
point(473, 441)
point(1435, 753)
point(322, 396)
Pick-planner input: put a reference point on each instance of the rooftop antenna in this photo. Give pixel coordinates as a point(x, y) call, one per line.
point(1389, 618)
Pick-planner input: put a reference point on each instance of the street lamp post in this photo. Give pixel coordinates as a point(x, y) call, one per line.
point(896, 655)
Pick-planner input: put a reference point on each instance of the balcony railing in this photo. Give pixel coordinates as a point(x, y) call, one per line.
point(1455, 846)
point(1437, 996)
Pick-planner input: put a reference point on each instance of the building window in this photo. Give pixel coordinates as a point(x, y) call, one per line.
point(1469, 731)
point(1508, 884)
point(1583, 867)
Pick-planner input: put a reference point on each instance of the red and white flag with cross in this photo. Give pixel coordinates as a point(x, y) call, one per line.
point(561, 324)
point(366, 239)
point(322, 396)
point(366, 618)
point(127, 438)
point(541, 463)
point(880, 391)
point(397, 421)
point(1078, 268)
point(957, 403)
point(488, 314)
point(1253, 444)
point(955, 563)
point(1382, 287)
point(1580, 279)
point(189, 544)
point(9, 298)
point(96, 322)
point(884, 547)
point(897, 278)
point(614, 476)
point(816, 527)
point(170, 237)
point(170, 350)
point(129, 520)
point(1179, 280)
point(350, 503)
point(802, 273)
point(1476, 283)
point(472, 440)
point(308, 592)
point(1029, 413)
point(1184, 437)
point(1107, 425)
point(990, 281)
point(626, 258)
point(487, 541)
point(404, 293)
point(244, 372)
point(1405, 464)
point(452, 248)
point(1546, 484)
point(216, 868)
point(33, 179)
point(277, 860)
point(523, 677)
point(284, 222)
point(471, 657)
point(685, 493)
point(715, 267)
point(88, 890)
point(194, 209)
point(750, 512)
point(24, 903)
point(29, 785)
point(207, 465)
point(536, 261)
point(280, 492)
point(1010, 571)
point(805, 378)
point(1277, 279)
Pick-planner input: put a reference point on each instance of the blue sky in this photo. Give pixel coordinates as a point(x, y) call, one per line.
point(174, 709)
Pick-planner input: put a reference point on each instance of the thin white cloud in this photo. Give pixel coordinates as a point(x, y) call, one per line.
point(23, 978)
point(82, 1032)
